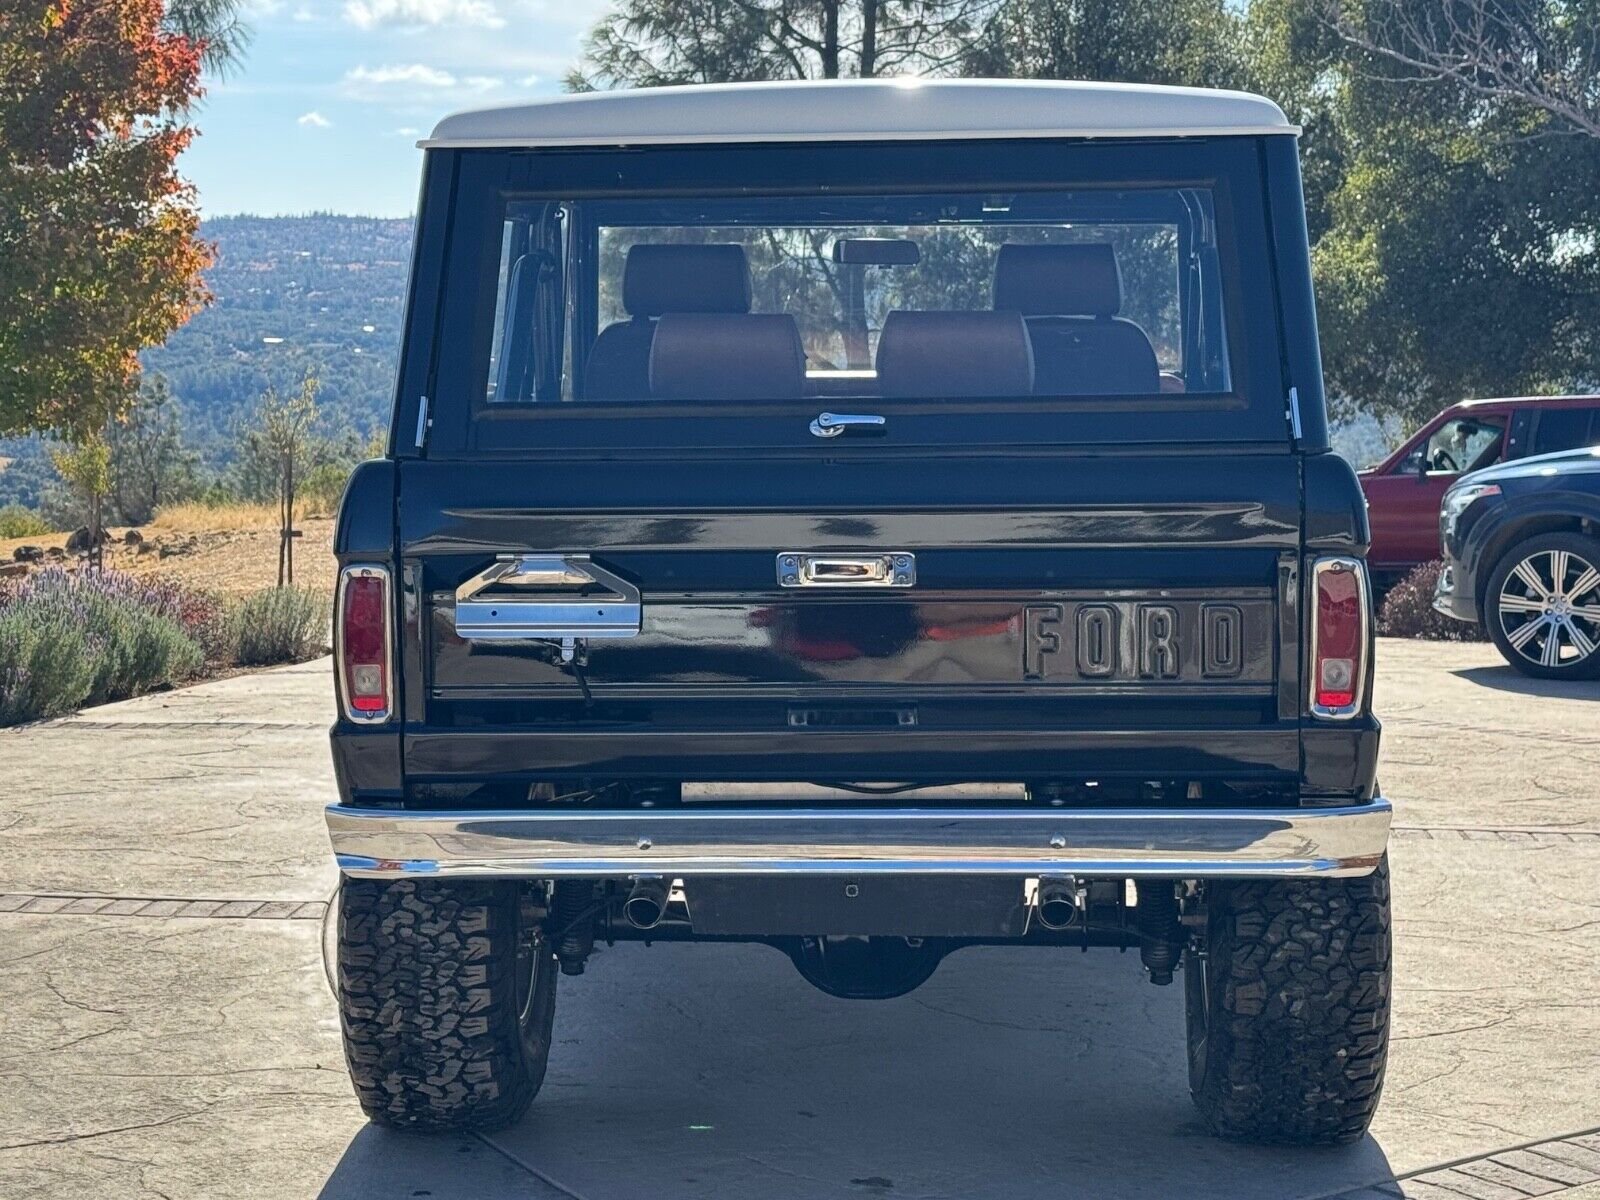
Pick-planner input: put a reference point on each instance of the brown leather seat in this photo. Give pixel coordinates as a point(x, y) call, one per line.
point(954, 354)
point(659, 279)
point(1070, 296)
point(727, 356)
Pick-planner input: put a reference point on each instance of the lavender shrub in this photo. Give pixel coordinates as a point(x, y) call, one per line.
point(70, 638)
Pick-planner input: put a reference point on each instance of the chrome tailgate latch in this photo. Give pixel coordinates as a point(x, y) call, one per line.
point(564, 598)
point(894, 570)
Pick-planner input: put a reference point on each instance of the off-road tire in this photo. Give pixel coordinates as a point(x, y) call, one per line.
point(1581, 549)
point(445, 1000)
point(1288, 1010)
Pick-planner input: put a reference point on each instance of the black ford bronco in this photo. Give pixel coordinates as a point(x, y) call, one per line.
point(869, 520)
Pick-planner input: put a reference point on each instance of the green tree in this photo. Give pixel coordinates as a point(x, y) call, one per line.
point(214, 25)
point(99, 256)
point(1186, 42)
point(85, 466)
point(1455, 244)
point(279, 451)
point(148, 461)
point(649, 43)
point(1544, 54)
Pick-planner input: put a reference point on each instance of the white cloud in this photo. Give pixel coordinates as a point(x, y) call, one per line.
point(313, 120)
point(532, 80)
point(412, 74)
point(407, 131)
point(411, 89)
point(369, 14)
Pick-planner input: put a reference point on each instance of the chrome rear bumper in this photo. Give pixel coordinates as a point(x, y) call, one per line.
point(1196, 843)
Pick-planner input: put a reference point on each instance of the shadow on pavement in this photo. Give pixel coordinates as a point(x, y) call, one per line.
point(380, 1164)
point(715, 1071)
point(1507, 679)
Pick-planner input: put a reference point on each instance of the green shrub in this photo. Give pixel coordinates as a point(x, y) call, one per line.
point(204, 616)
point(19, 522)
point(278, 625)
point(46, 667)
point(323, 487)
point(73, 638)
point(1407, 611)
point(142, 650)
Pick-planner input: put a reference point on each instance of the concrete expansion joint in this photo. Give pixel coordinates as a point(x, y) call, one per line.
point(1545, 1168)
point(1533, 837)
point(61, 905)
point(88, 724)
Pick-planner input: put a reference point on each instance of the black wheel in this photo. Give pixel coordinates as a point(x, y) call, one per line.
point(1542, 606)
point(446, 999)
point(1287, 1005)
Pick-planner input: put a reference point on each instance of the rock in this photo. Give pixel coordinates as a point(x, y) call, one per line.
point(133, 538)
point(78, 543)
point(13, 568)
point(145, 548)
point(56, 553)
point(28, 554)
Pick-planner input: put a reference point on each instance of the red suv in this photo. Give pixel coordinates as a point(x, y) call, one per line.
point(1404, 490)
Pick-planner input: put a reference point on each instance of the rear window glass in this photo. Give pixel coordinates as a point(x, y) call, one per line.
point(1564, 429)
point(1087, 293)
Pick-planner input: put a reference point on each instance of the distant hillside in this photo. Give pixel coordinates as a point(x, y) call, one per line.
point(320, 293)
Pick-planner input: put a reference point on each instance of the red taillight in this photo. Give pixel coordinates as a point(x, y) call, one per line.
point(1338, 637)
point(364, 643)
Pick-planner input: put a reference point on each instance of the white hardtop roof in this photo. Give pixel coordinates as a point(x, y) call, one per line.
point(864, 110)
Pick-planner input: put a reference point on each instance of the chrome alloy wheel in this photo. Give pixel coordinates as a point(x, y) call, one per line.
point(1549, 608)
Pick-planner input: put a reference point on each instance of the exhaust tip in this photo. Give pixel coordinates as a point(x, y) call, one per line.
point(1059, 905)
point(646, 903)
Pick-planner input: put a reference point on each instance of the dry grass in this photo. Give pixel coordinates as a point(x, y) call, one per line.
point(195, 517)
point(206, 553)
point(237, 560)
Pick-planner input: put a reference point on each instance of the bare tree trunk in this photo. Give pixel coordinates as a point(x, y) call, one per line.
point(830, 39)
point(288, 519)
point(283, 527)
point(855, 319)
point(96, 550)
point(869, 38)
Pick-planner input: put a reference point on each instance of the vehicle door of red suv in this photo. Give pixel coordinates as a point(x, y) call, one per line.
point(1404, 492)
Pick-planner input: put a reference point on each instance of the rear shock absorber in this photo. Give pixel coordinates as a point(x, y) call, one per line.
point(1160, 933)
point(572, 913)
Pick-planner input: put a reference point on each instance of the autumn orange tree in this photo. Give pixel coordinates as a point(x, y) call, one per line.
point(99, 253)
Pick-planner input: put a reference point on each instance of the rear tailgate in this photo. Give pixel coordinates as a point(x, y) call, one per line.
point(1066, 617)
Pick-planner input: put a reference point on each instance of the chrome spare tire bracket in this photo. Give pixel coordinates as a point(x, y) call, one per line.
point(562, 598)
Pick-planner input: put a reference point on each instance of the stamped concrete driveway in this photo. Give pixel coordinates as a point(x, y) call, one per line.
point(167, 1030)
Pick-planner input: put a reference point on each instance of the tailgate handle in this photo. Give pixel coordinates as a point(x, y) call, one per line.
point(831, 425)
point(562, 598)
point(896, 569)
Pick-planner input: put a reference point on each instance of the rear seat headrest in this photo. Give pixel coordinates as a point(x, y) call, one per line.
point(1079, 280)
point(954, 354)
point(727, 356)
point(663, 278)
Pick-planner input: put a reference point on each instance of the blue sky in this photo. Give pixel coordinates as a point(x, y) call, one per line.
point(325, 109)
